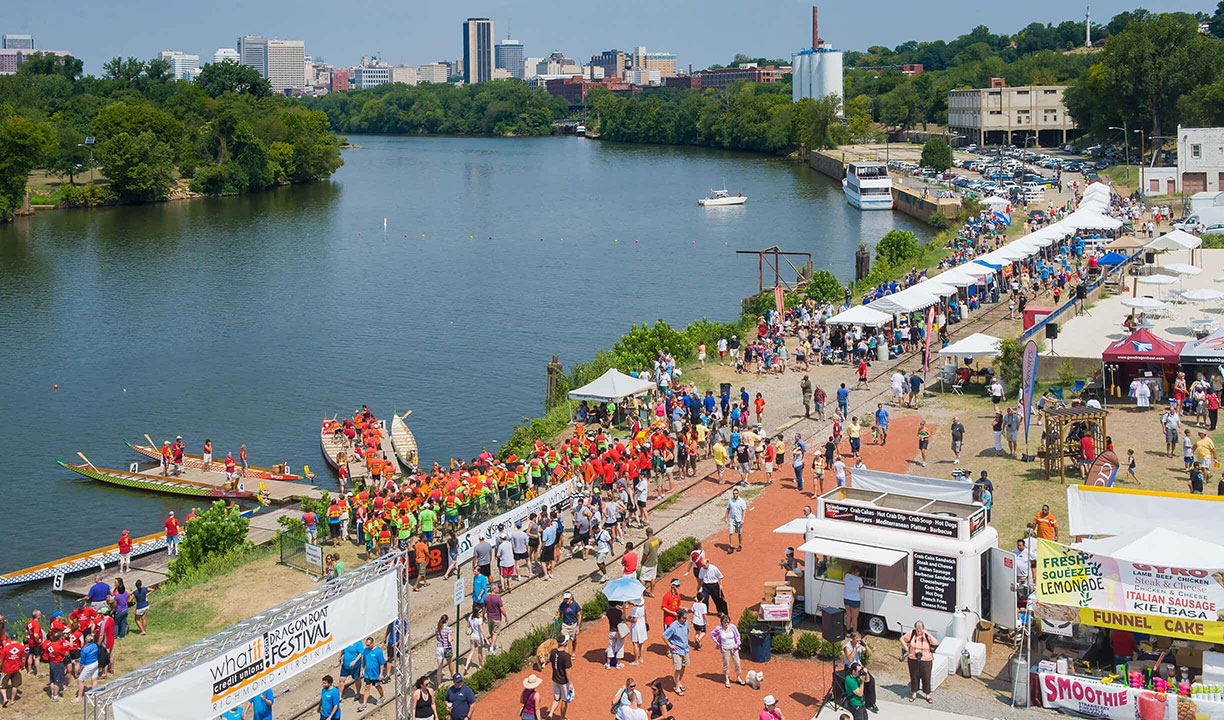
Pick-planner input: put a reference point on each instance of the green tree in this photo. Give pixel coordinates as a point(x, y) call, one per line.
point(69, 157)
point(140, 168)
point(216, 79)
point(936, 154)
point(858, 117)
point(23, 145)
point(1216, 23)
point(824, 287)
point(39, 63)
point(897, 246)
point(215, 531)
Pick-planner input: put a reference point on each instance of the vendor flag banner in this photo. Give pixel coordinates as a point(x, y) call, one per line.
point(779, 301)
point(1104, 470)
point(1181, 602)
point(1028, 375)
point(930, 325)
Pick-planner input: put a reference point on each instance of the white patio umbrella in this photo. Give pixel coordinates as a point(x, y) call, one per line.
point(1219, 278)
point(1182, 269)
point(1143, 303)
point(1157, 280)
point(1202, 295)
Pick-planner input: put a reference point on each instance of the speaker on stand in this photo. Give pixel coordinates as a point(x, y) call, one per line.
point(1051, 333)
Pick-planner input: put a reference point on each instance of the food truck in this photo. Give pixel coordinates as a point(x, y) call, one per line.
point(919, 558)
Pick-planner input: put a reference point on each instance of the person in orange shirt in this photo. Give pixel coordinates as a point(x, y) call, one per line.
point(422, 561)
point(1046, 525)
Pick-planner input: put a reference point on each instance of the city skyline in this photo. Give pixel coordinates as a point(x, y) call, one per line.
point(699, 34)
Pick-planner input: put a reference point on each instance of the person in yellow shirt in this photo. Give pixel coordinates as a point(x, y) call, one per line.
point(720, 458)
point(854, 432)
point(1205, 452)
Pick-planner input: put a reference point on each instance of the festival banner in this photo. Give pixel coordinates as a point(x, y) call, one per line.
point(1180, 602)
point(234, 676)
point(930, 326)
point(779, 300)
point(1114, 701)
point(1104, 470)
point(557, 495)
point(1028, 375)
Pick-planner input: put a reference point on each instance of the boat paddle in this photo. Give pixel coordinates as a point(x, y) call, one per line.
point(151, 443)
point(405, 415)
point(95, 467)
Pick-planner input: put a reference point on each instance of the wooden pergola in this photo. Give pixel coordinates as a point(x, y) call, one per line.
point(1062, 423)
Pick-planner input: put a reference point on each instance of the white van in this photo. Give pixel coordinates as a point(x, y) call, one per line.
point(920, 559)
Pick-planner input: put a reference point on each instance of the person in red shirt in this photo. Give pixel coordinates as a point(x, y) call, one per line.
point(165, 458)
point(629, 561)
point(172, 534)
point(56, 653)
point(11, 657)
point(34, 639)
point(1087, 454)
point(73, 641)
point(105, 637)
point(671, 603)
point(125, 552)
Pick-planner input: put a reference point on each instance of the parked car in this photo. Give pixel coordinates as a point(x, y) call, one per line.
point(1037, 216)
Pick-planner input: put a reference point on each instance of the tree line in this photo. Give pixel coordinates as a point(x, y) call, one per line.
point(225, 133)
point(501, 107)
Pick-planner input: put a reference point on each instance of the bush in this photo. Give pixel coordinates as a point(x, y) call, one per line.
point(640, 347)
point(216, 531)
point(676, 554)
point(782, 643)
point(498, 665)
point(746, 620)
point(594, 609)
point(85, 195)
point(828, 650)
point(808, 645)
point(898, 246)
point(824, 287)
point(440, 701)
point(938, 221)
point(481, 680)
point(1066, 374)
point(1009, 362)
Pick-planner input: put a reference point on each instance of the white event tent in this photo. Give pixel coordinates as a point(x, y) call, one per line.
point(975, 345)
point(861, 315)
point(612, 385)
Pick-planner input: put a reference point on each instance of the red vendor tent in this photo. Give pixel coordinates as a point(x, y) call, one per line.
point(1143, 346)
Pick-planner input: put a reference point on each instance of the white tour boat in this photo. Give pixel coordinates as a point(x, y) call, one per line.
point(722, 197)
point(868, 186)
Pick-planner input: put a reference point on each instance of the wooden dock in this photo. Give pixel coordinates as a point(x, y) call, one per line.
point(279, 491)
point(152, 569)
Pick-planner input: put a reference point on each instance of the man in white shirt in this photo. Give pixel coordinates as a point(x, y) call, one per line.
point(734, 516)
point(505, 562)
point(898, 387)
point(1022, 563)
point(603, 551)
point(711, 576)
point(839, 471)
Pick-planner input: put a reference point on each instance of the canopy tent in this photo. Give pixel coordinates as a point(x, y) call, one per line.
point(934, 488)
point(853, 552)
point(956, 277)
point(1089, 219)
point(1112, 258)
point(1099, 510)
point(996, 203)
point(911, 299)
point(936, 288)
point(1176, 240)
point(1208, 351)
point(1143, 346)
point(976, 345)
point(612, 385)
point(1125, 243)
point(861, 315)
point(1156, 546)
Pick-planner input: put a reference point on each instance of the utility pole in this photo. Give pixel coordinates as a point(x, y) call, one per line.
point(1087, 26)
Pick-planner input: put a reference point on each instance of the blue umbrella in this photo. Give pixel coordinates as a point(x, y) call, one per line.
point(624, 589)
point(1111, 258)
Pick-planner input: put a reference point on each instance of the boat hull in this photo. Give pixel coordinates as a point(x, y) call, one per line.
point(156, 483)
point(403, 442)
point(722, 202)
point(866, 202)
point(197, 462)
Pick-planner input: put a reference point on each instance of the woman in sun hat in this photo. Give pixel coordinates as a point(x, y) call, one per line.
point(530, 699)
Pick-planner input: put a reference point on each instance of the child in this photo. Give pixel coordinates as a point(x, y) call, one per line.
point(760, 406)
point(699, 611)
point(1188, 449)
point(1130, 465)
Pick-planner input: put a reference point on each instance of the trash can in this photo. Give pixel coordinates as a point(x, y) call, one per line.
point(759, 639)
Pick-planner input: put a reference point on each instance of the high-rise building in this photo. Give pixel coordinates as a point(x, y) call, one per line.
point(253, 52)
point(664, 62)
point(372, 74)
point(184, 66)
point(339, 80)
point(17, 41)
point(612, 62)
point(286, 65)
point(433, 73)
point(223, 54)
point(477, 50)
point(508, 55)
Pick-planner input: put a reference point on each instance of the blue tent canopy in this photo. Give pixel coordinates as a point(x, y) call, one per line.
point(1111, 258)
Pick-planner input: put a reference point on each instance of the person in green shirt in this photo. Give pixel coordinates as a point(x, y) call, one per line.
point(339, 566)
point(857, 681)
point(427, 517)
point(404, 530)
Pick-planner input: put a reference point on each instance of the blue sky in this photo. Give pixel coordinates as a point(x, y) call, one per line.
point(414, 31)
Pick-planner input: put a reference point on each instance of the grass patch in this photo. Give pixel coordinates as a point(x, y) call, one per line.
point(668, 502)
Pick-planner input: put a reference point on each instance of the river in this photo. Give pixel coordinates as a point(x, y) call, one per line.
point(249, 319)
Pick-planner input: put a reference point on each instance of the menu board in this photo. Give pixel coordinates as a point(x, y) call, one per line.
point(934, 582)
point(937, 525)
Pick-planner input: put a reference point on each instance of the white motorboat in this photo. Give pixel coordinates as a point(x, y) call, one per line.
point(722, 197)
point(868, 186)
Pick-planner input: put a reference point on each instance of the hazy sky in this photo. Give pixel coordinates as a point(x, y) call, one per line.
point(416, 31)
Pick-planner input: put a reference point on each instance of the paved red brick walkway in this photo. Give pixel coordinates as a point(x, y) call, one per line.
point(798, 684)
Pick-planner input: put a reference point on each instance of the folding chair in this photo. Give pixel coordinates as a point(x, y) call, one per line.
point(958, 387)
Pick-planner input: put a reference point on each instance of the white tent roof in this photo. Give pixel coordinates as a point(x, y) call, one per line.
point(956, 277)
point(1157, 546)
point(861, 315)
point(911, 299)
point(1089, 219)
point(1175, 240)
point(976, 345)
point(612, 385)
point(1093, 510)
point(995, 201)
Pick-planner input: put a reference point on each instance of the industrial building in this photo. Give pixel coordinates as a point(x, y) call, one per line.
point(817, 71)
point(1200, 164)
point(1001, 115)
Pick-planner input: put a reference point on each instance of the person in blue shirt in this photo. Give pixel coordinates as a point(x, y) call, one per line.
point(744, 398)
point(843, 401)
point(373, 661)
point(350, 668)
point(677, 639)
point(234, 713)
point(459, 698)
point(480, 588)
point(261, 705)
point(881, 418)
point(329, 701)
point(709, 402)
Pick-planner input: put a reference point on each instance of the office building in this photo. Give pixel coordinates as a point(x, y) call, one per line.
point(371, 73)
point(1200, 165)
point(508, 55)
point(1006, 115)
point(253, 52)
point(406, 74)
point(433, 73)
point(635, 76)
point(17, 41)
point(722, 77)
point(613, 63)
point(665, 63)
point(817, 71)
point(339, 80)
point(223, 54)
point(184, 66)
point(286, 65)
point(477, 50)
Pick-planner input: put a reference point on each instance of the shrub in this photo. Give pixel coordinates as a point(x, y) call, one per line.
point(481, 680)
point(498, 665)
point(1066, 373)
point(938, 221)
point(707, 332)
point(440, 701)
point(1009, 362)
point(746, 620)
point(676, 554)
point(828, 650)
point(897, 246)
point(594, 609)
point(85, 195)
point(214, 532)
point(824, 287)
point(808, 645)
point(782, 643)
